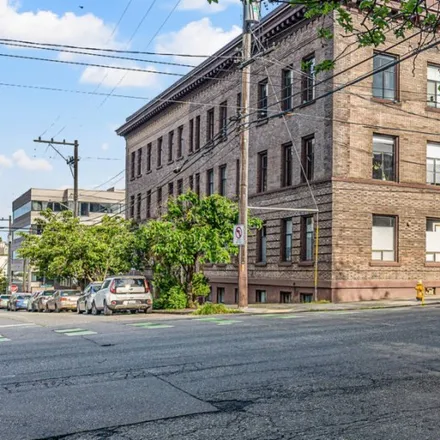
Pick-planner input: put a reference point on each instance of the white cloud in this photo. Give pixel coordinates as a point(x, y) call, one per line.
point(197, 38)
point(204, 6)
point(105, 146)
point(112, 77)
point(24, 161)
point(5, 162)
point(48, 27)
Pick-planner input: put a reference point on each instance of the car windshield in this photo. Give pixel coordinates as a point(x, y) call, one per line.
point(48, 293)
point(95, 287)
point(4, 297)
point(69, 293)
point(23, 296)
point(133, 282)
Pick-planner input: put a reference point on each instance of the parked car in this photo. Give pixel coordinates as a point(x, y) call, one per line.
point(4, 300)
point(84, 303)
point(63, 300)
point(128, 292)
point(40, 302)
point(19, 301)
point(31, 303)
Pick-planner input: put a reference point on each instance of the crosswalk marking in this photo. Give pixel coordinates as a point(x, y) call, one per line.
point(75, 332)
point(3, 339)
point(150, 325)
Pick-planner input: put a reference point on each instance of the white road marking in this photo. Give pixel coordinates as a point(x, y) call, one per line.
point(18, 325)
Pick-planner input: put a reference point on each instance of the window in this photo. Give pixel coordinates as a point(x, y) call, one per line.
point(149, 148)
point(171, 189)
point(139, 163)
point(210, 182)
point(433, 240)
point(210, 125)
point(433, 164)
point(285, 297)
point(262, 245)
point(287, 83)
point(308, 79)
point(262, 171)
point(139, 206)
point(236, 296)
point(197, 135)
point(286, 239)
point(222, 180)
point(149, 203)
point(170, 146)
point(433, 86)
point(159, 200)
point(191, 136)
point(385, 81)
point(133, 165)
point(198, 184)
point(223, 120)
point(238, 105)
point(159, 152)
point(384, 238)
point(191, 183)
point(220, 295)
point(179, 187)
point(384, 158)
point(305, 297)
point(180, 142)
point(262, 98)
point(131, 206)
point(260, 296)
point(237, 177)
point(286, 176)
point(307, 238)
point(308, 146)
point(84, 209)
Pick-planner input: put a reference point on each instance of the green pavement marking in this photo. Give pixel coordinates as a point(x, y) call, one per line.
point(270, 315)
point(150, 325)
point(3, 339)
point(218, 321)
point(75, 332)
point(288, 316)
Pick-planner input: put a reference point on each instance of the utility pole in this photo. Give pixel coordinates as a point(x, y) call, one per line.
point(250, 16)
point(72, 161)
point(10, 240)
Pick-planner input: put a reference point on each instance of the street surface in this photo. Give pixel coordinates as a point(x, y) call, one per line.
point(369, 375)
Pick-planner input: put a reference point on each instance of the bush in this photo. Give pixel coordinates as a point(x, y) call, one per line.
point(214, 309)
point(174, 298)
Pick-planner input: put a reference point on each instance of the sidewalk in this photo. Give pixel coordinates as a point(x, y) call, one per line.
point(334, 307)
point(256, 309)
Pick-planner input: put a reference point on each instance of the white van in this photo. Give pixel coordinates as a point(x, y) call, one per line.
point(123, 292)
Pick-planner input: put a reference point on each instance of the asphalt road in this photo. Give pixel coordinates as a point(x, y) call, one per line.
point(341, 375)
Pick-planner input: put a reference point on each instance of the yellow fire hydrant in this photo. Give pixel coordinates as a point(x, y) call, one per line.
point(420, 292)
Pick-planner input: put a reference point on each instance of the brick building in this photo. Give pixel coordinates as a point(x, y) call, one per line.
point(369, 155)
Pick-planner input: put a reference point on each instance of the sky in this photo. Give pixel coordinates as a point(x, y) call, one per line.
point(29, 111)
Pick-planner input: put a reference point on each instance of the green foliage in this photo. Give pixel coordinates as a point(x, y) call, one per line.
point(193, 232)
point(3, 283)
point(68, 249)
point(214, 309)
point(174, 298)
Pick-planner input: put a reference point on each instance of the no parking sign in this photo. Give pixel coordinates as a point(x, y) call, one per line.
point(239, 235)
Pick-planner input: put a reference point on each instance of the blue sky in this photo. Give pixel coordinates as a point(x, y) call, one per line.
point(194, 27)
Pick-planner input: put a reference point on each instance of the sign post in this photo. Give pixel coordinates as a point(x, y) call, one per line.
point(239, 239)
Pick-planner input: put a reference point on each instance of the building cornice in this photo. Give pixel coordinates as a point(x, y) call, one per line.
point(223, 61)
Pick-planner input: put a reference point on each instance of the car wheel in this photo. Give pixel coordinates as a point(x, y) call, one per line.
point(148, 310)
point(133, 311)
point(95, 311)
point(107, 311)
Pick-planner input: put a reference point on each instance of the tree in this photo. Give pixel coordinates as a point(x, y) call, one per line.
point(65, 248)
point(194, 231)
point(379, 20)
point(3, 283)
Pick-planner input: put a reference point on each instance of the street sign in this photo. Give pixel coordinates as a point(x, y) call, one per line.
point(239, 235)
point(14, 288)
